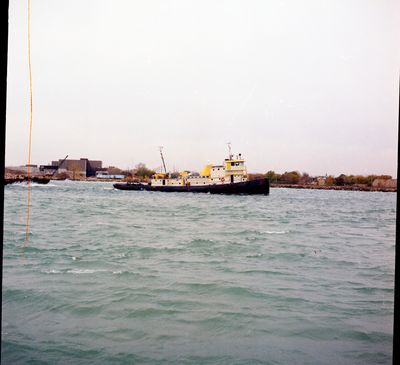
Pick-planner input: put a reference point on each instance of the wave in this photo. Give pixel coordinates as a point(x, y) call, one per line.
point(254, 255)
point(33, 185)
point(263, 272)
point(53, 271)
point(152, 312)
point(90, 271)
point(143, 264)
point(84, 271)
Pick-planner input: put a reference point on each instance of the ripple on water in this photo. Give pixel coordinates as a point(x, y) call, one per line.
point(119, 277)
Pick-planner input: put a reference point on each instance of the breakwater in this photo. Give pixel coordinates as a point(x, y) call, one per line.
point(334, 187)
point(20, 179)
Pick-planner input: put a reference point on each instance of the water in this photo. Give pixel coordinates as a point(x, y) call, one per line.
point(124, 277)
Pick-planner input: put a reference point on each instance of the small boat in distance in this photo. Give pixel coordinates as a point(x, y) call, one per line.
point(228, 178)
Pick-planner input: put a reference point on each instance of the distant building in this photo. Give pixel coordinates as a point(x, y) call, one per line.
point(92, 166)
point(33, 169)
point(48, 169)
point(105, 175)
point(80, 168)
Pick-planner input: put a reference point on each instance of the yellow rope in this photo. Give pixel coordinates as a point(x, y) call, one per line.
point(30, 122)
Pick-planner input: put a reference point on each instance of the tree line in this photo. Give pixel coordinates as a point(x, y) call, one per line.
point(140, 171)
point(288, 177)
point(296, 178)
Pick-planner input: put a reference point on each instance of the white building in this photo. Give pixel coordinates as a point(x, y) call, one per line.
point(105, 175)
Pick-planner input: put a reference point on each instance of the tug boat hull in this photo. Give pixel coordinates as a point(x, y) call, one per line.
point(259, 186)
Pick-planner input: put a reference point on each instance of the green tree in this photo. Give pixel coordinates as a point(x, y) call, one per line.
point(384, 177)
point(359, 179)
point(370, 179)
point(112, 170)
point(330, 181)
point(292, 177)
point(340, 180)
point(142, 171)
point(255, 176)
point(305, 178)
point(272, 176)
point(349, 180)
point(127, 173)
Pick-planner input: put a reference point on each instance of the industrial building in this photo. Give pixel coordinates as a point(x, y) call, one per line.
point(81, 168)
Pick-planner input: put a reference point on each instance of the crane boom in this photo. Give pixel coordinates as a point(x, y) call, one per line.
point(59, 165)
point(162, 158)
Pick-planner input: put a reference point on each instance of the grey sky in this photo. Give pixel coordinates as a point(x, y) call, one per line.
point(294, 85)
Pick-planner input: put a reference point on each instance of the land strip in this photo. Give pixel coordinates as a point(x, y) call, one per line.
point(334, 187)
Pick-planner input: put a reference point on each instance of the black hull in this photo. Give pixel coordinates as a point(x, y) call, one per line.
point(260, 186)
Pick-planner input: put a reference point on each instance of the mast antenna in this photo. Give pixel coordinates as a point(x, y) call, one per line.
point(162, 158)
point(230, 151)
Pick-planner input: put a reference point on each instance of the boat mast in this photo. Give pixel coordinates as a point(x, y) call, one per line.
point(230, 151)
point(162, 158)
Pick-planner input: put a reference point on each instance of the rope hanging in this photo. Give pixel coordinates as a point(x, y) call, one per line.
point(30, 123)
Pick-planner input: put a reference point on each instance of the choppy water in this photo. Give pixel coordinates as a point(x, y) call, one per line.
point(123, 277)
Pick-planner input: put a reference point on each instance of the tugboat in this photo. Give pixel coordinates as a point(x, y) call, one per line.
point(228, 178)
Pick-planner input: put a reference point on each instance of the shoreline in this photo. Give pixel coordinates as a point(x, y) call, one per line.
point(41, 179)
point(335, 187)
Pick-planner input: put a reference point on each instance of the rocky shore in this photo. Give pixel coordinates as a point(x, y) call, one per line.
point(20, 179)
point(12, 179)
point(334, 187)
point(40, 179)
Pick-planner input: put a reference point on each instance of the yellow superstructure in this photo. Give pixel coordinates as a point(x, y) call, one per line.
point(160, 175)
point(184, 173)
point(206, 171)
point(232, 170)
point(231, 164)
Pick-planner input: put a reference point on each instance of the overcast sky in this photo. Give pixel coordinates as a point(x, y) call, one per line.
point(293, 85)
